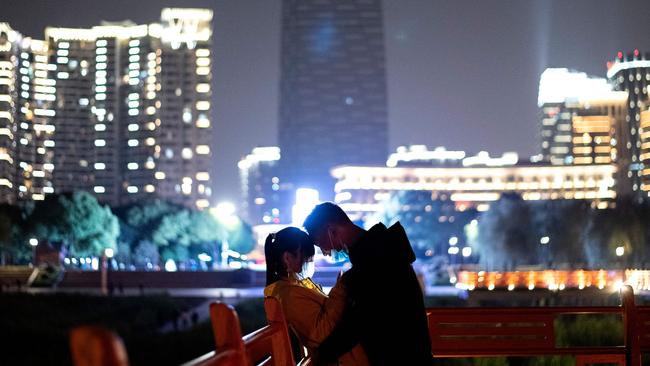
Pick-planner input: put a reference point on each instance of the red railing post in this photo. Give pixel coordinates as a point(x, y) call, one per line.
point(632, 346)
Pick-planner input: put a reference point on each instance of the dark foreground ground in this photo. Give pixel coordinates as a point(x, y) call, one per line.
point(34, 328)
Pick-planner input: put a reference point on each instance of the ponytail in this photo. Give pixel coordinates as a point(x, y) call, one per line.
point(272, 261)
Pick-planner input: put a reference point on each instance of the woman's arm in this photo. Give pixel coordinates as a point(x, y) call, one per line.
point(312, 314)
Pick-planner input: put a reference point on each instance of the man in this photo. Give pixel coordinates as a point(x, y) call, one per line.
point(386, 312)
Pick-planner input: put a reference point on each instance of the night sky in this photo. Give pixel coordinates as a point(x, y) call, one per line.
point(461, 73)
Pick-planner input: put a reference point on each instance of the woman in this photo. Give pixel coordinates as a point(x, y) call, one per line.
point(310, 313)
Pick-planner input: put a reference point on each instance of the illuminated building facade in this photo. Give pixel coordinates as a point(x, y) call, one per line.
point(332, 89)
point(581, 118)
point(477, 182)
point(26, 97)
point(133, 109)
point(631, 73)
point(644, 157)
point(265, 196)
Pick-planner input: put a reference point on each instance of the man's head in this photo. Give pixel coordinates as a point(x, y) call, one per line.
point(330, 228)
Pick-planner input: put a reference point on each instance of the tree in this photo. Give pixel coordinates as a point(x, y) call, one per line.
point(76, 221)
point(13, 246)
point(506, 237)
point(240, 237)
point(429, 221)
point(561, 223)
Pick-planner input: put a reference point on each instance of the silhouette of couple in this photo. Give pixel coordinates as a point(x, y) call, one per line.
point(374, 314)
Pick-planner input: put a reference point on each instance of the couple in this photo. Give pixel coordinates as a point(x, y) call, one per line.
point(374, 314)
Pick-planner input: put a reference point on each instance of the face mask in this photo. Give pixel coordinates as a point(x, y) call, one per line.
point(338, 256)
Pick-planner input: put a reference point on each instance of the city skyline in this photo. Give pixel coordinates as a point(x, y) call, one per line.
point(436, 63)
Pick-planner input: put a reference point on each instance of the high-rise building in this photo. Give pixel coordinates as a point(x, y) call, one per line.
point(133, 109)
point(582, 121)
point(265, 196)
point(631, 73)
point(568, 99)
point(333, 89)
point(26, 97)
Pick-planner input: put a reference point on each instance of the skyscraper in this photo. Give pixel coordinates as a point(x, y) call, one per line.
point(582, 121)
point(333, 89)
point(133, 109)
point(631, 73)
point(26, 97)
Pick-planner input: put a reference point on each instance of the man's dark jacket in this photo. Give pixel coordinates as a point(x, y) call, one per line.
point(386, 307)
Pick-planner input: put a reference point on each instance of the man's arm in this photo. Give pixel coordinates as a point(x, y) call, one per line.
point(345, 334)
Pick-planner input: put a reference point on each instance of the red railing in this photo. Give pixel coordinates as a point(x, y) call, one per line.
point(455, 332)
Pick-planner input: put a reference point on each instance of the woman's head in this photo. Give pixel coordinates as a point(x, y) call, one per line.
point(286, 251)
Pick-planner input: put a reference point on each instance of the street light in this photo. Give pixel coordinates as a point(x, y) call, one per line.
point(620, 251)
point(544, 240)
point(34, 243)
point(106, 254)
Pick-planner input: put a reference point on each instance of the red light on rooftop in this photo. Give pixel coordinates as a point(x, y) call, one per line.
point(636, 52)
point(619, 55)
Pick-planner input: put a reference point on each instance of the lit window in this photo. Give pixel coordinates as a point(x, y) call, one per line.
point(203, 123)
point(202, 88)
point(132, 189)
point(48, 143)
point(203, 105)
point(202, 149)
point(48, 190)
point(202, 52)
point(100, 142)
point(159, 175)
point(132, 166)
point(150, 141)
point(99, 189)
point(100, 166)
point(203, 176)
point(134, 127)
point(203, 70)
point(202, 61)
point(187, 153)
point(133, 142)
point(100, 127)
point(149, 188)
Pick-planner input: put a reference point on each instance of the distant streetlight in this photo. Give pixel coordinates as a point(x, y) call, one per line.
point(467, 251)
point(224, 212)
point(620, 251)
point(544, 240)
point(453, 240)
point(453, 250)
point(109, 252)
point(204, 257)
point(34, 243)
